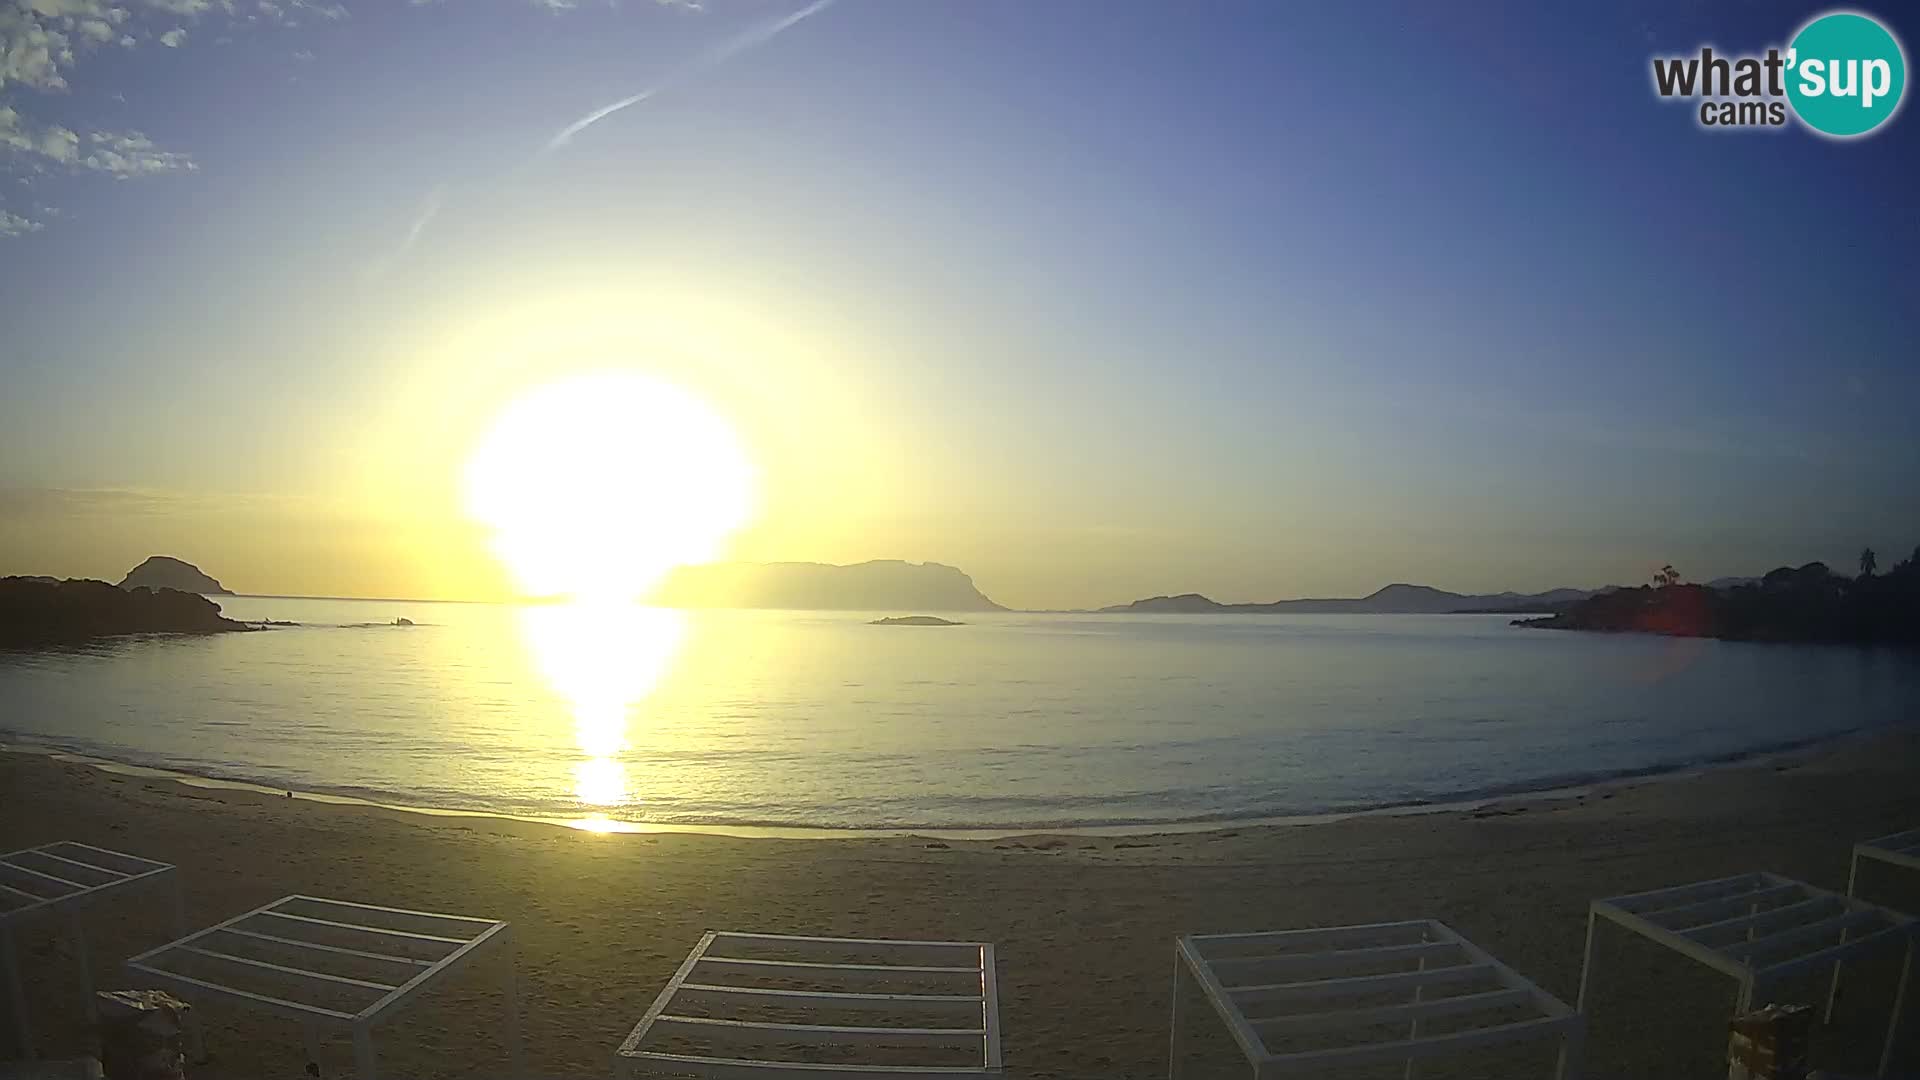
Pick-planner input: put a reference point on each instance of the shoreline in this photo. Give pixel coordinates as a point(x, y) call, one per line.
point(1788, 752)
point(1082, 925)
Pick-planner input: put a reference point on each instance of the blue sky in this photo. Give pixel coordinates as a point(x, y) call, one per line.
point(1104, 298)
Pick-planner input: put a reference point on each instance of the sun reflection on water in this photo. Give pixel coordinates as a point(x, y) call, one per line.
point(604, 658)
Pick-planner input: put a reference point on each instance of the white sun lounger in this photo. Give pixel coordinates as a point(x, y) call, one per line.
point(66, 878)
point(330, 965)
point(1298, 1002)
point(1759, 929)
point(745, 990)
point(1902, 849)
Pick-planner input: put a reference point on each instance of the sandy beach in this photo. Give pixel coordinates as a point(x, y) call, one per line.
point(1084, 924)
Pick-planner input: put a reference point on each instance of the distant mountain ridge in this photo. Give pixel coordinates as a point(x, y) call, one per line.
point(1395, 599)
point(877, 585)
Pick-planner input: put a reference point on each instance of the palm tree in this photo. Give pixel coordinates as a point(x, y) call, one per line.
point(1868, 563)
point(1667, 576)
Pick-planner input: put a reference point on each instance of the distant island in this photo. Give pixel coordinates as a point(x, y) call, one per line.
point(879, 585)
point(167, 572)
point(1397, 599)
point(38, 613)
point(1805, 603)
point(915, 620)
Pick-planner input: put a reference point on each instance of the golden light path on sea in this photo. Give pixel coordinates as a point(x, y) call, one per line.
point(604, 657)
point(591, 489)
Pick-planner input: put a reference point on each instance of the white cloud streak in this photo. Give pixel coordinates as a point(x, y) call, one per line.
point(122, 154)
point(429, 210)
point(734, 46)
point(129, 154)
point(43, 41)
point(721, 53)
point(15, 225)
point(567, 133)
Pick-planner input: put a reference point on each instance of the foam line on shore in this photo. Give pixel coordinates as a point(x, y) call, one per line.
point(1466, 803)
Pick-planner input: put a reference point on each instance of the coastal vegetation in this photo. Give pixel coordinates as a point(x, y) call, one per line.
point(1803, 603)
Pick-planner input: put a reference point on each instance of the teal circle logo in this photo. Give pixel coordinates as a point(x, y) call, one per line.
point(1846, 74)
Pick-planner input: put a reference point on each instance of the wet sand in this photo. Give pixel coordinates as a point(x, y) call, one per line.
point(1083, 924)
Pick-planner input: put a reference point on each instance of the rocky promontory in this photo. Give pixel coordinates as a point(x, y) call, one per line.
point(35, 613)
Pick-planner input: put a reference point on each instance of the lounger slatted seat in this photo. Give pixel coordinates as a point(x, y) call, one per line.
point(847, 1007)
point(1760, 929)
point(67, 878)
point(1298, 1002)
point(330, 965)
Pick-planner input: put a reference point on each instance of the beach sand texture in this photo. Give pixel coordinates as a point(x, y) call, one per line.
point(1084, 924)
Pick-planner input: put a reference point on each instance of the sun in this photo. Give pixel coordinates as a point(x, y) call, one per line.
point(594, 486)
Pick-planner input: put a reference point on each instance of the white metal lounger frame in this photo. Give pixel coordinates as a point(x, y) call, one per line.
point(1901, 849)
point(1240, 970)
point(67, 877)
point(1759, 929)
point(702, 978)
point(432, 946)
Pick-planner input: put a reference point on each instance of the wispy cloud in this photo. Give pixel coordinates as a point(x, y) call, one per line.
point(435, 199)
point(719, 54)
point(734, 46)
point(44, 42)
point(120, 153)
point(567, 133)
point(429, 209)
point(129, 154)
point(21, 502)
point(19, 138)
point(15, 225)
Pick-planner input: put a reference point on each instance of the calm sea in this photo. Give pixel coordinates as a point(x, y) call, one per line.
point(817, 719)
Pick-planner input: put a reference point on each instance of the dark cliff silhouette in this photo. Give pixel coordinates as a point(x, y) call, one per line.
point(167, 572)
point(36, 613)
point(1805, 603)
point(879, 585)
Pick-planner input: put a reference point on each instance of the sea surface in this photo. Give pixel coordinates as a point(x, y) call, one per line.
point(819, 720)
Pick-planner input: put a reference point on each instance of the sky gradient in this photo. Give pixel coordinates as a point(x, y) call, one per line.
point(1095, 300)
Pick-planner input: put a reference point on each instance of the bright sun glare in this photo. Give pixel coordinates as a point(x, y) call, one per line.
point(595, 486)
